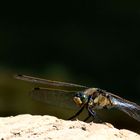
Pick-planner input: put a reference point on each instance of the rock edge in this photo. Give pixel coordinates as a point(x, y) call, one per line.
point(27, 127)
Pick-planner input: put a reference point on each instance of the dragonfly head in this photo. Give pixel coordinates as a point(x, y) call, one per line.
point(80, 98)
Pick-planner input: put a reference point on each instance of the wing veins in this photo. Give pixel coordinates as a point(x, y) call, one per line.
point(130, 108)
point(47, 82)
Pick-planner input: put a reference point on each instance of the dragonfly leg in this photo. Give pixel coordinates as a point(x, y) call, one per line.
point(77, 113)
point(89, 115)
point(93, 113)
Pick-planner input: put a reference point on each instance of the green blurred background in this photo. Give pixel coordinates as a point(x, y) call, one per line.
point(96, 44)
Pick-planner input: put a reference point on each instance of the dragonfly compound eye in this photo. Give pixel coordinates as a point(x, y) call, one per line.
point(80, 98)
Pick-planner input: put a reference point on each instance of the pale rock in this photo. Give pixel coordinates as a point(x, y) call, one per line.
point(28, 127)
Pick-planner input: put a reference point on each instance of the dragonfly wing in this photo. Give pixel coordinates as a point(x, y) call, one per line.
point(130, 108)
point(51, 84)
point(55, 97)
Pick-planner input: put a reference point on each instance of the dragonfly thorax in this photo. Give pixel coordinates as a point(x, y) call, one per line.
point(98, 98)
point(80, 98)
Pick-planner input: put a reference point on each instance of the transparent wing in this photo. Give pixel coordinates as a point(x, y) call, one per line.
point(130, 108)
point(51, 84)
point(59, 98)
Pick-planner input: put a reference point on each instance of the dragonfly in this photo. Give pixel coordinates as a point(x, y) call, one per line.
point(84, 97)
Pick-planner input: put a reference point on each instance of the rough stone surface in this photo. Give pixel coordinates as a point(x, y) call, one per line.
point(28, 127)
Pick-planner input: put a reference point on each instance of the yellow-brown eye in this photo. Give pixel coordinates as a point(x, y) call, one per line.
point(83, 97)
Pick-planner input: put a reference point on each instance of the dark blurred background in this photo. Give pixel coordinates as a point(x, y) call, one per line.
point(94, 44)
